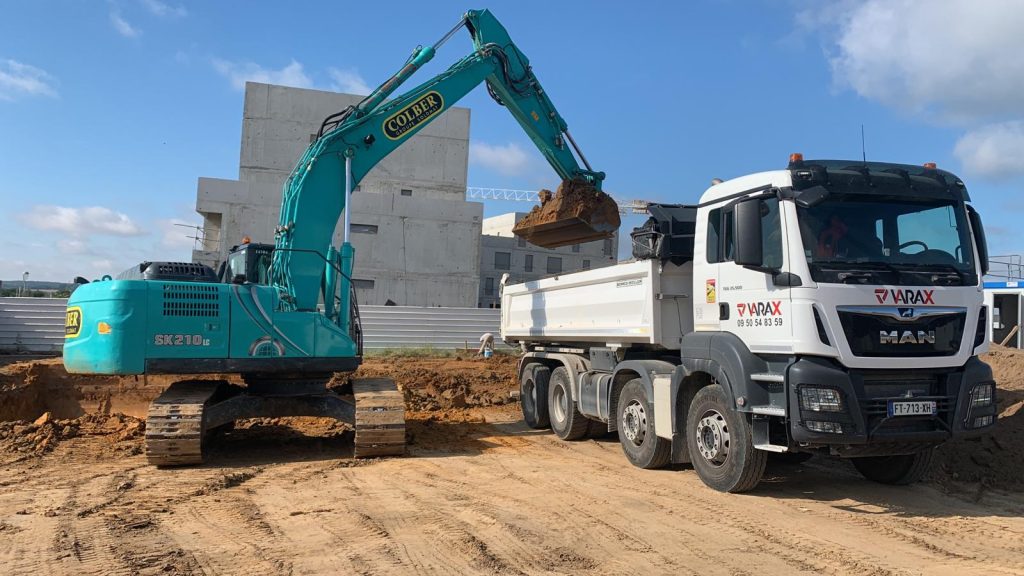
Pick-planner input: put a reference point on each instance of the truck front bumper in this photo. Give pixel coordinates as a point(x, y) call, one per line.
point(863, 425)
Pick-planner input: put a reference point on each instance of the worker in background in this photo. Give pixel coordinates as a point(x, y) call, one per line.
point(486, 345)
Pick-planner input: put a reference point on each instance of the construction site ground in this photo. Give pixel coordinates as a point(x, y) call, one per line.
point(477, 493)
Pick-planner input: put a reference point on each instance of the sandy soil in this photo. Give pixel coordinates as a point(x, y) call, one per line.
point(479, 493)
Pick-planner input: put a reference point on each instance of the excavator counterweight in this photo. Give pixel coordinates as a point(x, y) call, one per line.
point(577, 213)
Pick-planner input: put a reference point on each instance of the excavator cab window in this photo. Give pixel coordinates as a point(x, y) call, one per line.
point(248, 263)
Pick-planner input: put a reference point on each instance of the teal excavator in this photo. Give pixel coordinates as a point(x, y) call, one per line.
point(284, 317)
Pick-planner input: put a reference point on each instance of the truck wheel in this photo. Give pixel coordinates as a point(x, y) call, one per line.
point(899, 470)
point(720, 444)
point(566, 421)
point(641, 445)
point(533, 395)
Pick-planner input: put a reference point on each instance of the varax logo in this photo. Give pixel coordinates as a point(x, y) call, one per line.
point(905, 296)
point(907, 337)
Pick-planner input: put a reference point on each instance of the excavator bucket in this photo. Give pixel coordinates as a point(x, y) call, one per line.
point(577, 213)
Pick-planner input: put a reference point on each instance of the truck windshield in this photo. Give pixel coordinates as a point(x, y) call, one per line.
point(913, 242)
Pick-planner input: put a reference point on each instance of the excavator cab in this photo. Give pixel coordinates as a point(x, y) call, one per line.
point(579, 212)
point(247, 263)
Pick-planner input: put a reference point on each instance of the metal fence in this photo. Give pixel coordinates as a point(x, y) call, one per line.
point(37, 325)
point(32, 324)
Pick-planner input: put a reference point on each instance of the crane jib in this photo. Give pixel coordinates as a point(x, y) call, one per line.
point(408, 118)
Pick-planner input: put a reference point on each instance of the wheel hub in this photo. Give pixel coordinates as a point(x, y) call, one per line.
point(561, 404)
point(713, 437)
point(634, 419)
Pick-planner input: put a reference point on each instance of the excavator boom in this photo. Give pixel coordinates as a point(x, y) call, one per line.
point(353, 141)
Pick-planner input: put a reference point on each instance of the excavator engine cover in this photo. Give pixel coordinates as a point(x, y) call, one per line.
point(577, 213)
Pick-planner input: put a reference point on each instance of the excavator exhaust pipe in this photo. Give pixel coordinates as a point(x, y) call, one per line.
point(577, 213)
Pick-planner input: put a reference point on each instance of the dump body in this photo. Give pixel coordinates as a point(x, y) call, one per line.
point(640, 302)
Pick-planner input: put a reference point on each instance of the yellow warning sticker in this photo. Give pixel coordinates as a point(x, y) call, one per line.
point(709, 289)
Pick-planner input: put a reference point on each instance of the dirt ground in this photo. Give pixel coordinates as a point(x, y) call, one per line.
point(478, 493)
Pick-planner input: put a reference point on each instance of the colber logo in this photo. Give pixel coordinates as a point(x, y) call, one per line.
point(73, 322)
point(768, 308)
point(407, 119)
point(904, 296)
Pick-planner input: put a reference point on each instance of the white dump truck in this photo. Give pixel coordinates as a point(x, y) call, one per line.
point(834, 307)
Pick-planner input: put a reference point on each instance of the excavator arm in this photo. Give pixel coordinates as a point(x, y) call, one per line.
point(350, 143)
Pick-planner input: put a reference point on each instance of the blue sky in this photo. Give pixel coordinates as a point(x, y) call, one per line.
point(109, 111)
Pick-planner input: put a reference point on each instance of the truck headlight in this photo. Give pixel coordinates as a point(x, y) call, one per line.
point(982, 394)
point(820, 399)
point(830, 427)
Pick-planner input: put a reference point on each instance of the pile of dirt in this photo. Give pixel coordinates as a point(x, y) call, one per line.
point(574, 199)
point(438, 384)
point(995, 460)
point(21, 437)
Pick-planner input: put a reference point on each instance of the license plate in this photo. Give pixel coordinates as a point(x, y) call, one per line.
point(915, 408)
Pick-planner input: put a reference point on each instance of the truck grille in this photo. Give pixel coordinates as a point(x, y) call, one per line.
point(885, 332)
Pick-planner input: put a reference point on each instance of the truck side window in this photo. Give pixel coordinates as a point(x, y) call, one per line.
point(714, 245)
point(728, 238)
point(771, 233)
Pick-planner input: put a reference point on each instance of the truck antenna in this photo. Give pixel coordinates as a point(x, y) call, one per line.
point(863, 150)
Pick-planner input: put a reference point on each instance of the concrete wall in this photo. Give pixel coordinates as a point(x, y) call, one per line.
point(498, 239)
point(425, 251)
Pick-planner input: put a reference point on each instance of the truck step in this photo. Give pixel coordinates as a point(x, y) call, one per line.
point(768, 410)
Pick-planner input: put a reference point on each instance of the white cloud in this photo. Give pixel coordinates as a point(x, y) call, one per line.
point(17, 79)
point(508, 159)
point(122, 26)
point(161, 9)
point(995, 151)
point(238, 73)
point(73, 246)
point(78, 222)
point(348, 81)
point(953, 59)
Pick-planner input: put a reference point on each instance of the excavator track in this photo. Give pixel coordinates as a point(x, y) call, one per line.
point(380, 418)
point(175, 426)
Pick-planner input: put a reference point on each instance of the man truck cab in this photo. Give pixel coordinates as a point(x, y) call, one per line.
point(833, 307)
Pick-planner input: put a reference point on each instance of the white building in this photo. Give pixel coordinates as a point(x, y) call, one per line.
point(503, 253)
point(416, 237)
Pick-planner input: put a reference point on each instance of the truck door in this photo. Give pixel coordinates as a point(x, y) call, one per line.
point(751, 305)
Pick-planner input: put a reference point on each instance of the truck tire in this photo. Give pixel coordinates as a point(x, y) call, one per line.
point(643, 448)
point(720, 443)
point(566, 421)
point(533, 395)
point(898, 470)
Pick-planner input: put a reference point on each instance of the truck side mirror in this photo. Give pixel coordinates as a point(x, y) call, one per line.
point(979, 238)
point(747, 230)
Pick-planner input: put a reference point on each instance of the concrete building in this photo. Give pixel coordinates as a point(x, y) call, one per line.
point(415, 235)
point(503, 253)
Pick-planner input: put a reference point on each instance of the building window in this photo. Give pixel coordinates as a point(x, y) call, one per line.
point(406, 192)
point(607, 248)
point(554, 265)
point(586, 264)
point(363, 228)
point(575, 248)
point(528, 263)
point(521, 242)
point(488, 286)
point(362, 284)
point(502, 260)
